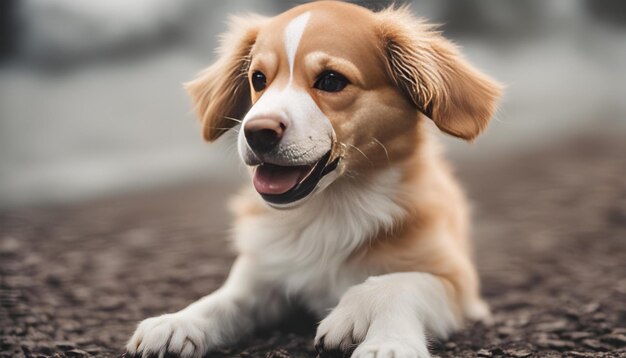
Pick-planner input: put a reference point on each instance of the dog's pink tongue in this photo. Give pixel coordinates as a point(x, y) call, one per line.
point(271, 179)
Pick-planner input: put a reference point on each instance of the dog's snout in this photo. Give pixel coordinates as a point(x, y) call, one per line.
point(263, 134)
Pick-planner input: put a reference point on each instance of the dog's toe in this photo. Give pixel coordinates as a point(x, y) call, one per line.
point(338, 334)
point(324, 351)
point(170, 335)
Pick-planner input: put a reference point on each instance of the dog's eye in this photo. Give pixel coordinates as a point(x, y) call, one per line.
point(330, 81)
point(258, 81)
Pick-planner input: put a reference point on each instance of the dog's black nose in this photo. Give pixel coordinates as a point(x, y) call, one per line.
point(263, 134)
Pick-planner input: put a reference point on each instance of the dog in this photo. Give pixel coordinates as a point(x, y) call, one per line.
point(352, 213)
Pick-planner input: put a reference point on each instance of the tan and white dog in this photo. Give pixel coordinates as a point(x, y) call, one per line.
point(355, 211)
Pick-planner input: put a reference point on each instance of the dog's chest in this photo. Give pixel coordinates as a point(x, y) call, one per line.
point(320, 287)
point(307, 259)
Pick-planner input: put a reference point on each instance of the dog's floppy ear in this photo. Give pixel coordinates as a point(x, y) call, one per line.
point(431, 72)
point(221, 93)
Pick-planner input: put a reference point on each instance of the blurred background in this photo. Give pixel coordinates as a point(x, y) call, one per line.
point(112, 208)
point(91, 101)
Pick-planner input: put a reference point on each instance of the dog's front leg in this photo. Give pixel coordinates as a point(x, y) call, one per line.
point(389, 316)
point(215, 320)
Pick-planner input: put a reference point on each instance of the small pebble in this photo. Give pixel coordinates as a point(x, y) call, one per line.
point(279, 353)
point(77, 353)
point(519, 353)
point(616, 340)
point(556, 344)
point(596, 345)
point(556, 326)
point(579, 335)
point(64, 345)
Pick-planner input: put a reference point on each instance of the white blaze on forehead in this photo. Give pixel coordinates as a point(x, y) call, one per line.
point(309, 134)
point(293, 35)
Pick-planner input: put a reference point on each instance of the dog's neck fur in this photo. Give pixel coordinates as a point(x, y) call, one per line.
point(310, 245)
point(349, 212)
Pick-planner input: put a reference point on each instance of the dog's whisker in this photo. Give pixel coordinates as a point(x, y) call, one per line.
point(360, 151)
point(384, 148)
point(226, 129)
point(233, 119)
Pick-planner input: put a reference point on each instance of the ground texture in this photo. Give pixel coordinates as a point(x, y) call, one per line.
point(550, 233)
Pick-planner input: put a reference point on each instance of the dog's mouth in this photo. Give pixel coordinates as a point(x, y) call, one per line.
point(279, 184)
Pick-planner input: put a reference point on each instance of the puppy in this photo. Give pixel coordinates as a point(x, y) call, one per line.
point(356, 216)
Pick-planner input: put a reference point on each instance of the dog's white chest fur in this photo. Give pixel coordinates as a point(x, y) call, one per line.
point(307, 248)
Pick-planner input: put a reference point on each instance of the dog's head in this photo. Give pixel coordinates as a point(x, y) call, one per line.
point(329, 88)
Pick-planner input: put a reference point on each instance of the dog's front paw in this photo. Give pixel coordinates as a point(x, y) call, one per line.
point(340, 332)
point(170, 335)
point(369, 323)
point(390, 348)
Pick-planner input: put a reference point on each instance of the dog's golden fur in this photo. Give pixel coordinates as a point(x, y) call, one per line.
point(221, 92)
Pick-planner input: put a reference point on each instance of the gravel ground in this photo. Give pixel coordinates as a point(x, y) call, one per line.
point(550, 246)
